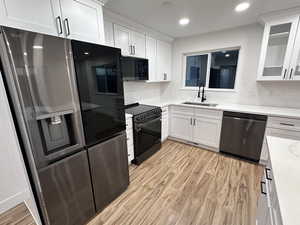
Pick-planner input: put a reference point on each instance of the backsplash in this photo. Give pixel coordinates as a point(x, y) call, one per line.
point(137, 91)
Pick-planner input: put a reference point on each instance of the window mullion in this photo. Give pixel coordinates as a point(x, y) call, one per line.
point(208, 70)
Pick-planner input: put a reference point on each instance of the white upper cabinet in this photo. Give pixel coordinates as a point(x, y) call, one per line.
point(122, 39)
point(83, 20)
point(151, 56)
point(295, 63)
point(138, 42)
point(277, 50)
point(164, 60)
point(109, 33)
point(74, 19)
point(33, 15)
point(131, 43)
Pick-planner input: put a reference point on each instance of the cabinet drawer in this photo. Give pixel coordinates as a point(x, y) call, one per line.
point(208, 113)
point(284, 123)
point(182, 110)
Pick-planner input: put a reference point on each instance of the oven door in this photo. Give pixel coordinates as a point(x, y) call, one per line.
point(146, 134)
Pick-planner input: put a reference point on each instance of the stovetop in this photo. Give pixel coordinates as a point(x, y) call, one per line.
point(137, 109)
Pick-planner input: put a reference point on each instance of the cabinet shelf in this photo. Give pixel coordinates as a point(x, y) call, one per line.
point(280, 35)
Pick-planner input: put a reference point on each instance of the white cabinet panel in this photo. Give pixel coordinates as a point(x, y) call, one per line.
point(138, 41)
point(165, 124)
point(207, 131)
point(122, 39)
point(151, 56)
point(109, 33)
point(181, 127)
point(83, 20)
point(164, 60)
point(33, 15)
point(277, 49)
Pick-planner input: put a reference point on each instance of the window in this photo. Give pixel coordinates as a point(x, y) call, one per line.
point(214, 70)
point(196, 70)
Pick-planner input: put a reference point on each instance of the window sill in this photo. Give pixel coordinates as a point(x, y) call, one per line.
point(207, 89)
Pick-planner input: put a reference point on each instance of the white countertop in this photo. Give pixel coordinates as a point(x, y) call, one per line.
point(285, 160)
point(262, 110)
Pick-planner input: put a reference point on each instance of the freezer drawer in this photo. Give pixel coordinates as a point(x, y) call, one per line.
point(67, 191)
point(109, 170)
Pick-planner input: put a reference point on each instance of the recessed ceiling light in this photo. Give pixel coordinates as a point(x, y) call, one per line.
point(227, 55)
point(38, 47)
point(86, 53)
point(242, 6)
point(184, 21)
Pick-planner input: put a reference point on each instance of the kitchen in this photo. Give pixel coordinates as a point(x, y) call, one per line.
point(224, 92)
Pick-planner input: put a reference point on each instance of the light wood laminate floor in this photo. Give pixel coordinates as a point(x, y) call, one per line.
point(18, 215)
point(185, 185)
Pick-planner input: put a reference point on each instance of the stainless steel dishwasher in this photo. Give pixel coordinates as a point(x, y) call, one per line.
point(242, 135)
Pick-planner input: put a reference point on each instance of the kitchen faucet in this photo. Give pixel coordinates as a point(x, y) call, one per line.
point(203, 98)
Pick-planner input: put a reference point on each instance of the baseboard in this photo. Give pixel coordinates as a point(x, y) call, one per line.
point(13, 201)
point(205, 147)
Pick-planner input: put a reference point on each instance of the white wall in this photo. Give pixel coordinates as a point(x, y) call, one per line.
point(248, 91)
point(14, 184)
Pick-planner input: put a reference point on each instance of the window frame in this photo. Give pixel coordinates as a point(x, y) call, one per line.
point(209, 52)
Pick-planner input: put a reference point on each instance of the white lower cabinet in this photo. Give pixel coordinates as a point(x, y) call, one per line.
point(129, 133)
point(207, 131)
point(181, 126)
point(268, 211)
point(164, 123)
point(280, 127)
point(200, 126)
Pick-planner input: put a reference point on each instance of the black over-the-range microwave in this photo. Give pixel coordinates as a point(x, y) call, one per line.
point(134, 68)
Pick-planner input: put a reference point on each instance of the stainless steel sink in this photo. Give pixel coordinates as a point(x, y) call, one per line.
point(200, 104)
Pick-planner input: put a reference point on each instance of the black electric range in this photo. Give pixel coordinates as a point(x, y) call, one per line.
point(146, 130)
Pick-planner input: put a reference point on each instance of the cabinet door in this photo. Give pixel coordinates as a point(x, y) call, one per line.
point(109, 33)
point(32, 15)
point(277, 46)
point(207, 132)
point(151, 56)
point(83, 20)
point(164, 60)
point(181, 127)
point(294, 72)
point(138, 41)
point(122, 39)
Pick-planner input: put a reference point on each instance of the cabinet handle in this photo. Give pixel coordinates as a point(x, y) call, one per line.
point(262, 184)
point(133, 49)
point(284, 74)
point(291, 73)
point(194, 122)
point(67, 27)
point(267, 174)
point(287, 124)
point(58, 21)
point(191, 121)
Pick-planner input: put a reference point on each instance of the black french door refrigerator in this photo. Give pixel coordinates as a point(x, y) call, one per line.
point(77, 162)
point(100, 86)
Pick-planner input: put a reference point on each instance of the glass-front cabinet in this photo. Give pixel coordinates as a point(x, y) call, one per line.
point(277, 50)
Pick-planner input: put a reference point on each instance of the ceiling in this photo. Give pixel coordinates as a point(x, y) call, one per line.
point(205, 15)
